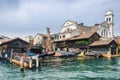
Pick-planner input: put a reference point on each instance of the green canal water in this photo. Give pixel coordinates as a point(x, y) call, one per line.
point(65, 69)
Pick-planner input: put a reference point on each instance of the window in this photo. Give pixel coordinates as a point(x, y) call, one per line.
point(38, 38)
point(109, 19)
point(68, 29)
point(56, 37)
point(67, 23)
point(60, 37)
point(104, 33)
point(63, 36)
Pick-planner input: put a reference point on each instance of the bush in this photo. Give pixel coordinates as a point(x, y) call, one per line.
point(119, 48)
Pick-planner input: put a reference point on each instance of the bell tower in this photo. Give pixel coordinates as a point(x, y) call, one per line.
point(109, 20)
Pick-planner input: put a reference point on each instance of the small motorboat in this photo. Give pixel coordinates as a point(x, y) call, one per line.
point(42, 55)
point(29, 53)
point(65, 54)
point(73, 53)
point(50, 53)
point(106, 55)
point(47, 54)
point(57, 54)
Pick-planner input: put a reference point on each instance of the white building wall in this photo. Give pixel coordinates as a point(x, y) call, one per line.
point(38, 39)
point(109, 16)
point(71, 27)
point(111, 31)
point(103, 32)
point(74, 33)
point(67, 35)
point(27, 39)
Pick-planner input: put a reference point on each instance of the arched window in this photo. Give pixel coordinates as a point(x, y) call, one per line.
point(104, 33)
point(109, 19)
point(63, 36)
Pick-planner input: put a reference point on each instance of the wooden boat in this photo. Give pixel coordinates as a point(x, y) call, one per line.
point(46, 54)
point(106, 55)
point(16, 59)
point(81, 54)
point(57, 54)
point(50, 53)
point(37, 49)
point(66, 54)
point(26, 65)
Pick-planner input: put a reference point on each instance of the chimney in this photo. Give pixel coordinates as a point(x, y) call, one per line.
point(81, 24)
point(96, 24)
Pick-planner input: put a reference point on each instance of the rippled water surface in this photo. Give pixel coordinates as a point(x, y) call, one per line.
point(65, 69)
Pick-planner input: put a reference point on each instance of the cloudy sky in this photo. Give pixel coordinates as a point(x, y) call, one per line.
point(29, 17)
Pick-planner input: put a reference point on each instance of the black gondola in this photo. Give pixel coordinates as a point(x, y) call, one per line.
point(37, 49)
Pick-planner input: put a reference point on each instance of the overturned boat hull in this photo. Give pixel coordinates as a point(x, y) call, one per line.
point(26, 65)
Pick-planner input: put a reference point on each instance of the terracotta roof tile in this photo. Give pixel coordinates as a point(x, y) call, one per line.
point(2, 41)
point(101, 42)
point(95, 27)
point(85, 35)
point(83, 28)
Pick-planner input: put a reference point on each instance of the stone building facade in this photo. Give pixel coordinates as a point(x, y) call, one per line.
point(74, 33)
point(72, 28)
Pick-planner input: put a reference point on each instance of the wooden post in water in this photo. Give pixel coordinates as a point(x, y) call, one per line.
point(37, 62)
point(21, 64)
point(11, 54)
point(30, 62)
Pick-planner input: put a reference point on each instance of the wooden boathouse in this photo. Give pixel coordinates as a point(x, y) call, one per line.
point(106, 47)
point(89, 42)
point(14, 51)
point(18, 45)
point(81, 41)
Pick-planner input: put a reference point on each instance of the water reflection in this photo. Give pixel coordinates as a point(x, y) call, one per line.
point(22, 75)
point(66, 69)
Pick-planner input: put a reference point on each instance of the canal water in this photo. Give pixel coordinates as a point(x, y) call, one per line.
point(65, 69)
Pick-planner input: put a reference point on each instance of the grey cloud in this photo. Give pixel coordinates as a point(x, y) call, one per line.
point(33, 16)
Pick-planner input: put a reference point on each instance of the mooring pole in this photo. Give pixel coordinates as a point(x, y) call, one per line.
point(21, 64)
point(11, 54)
point(30, 62)
point(37, 62)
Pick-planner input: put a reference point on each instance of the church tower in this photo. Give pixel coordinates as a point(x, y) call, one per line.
point(109, 19)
